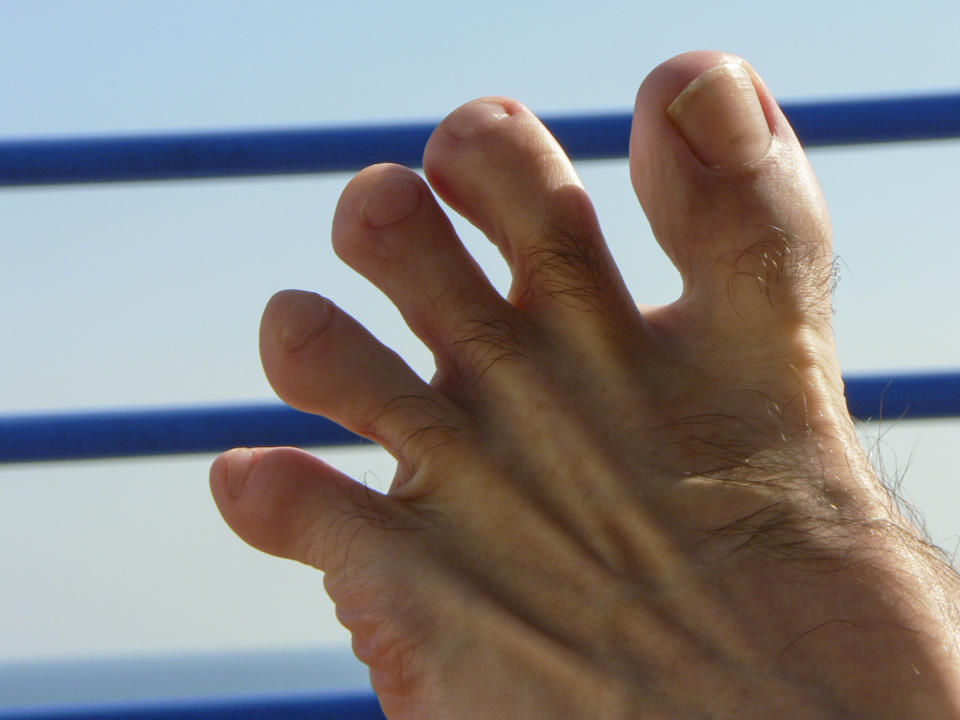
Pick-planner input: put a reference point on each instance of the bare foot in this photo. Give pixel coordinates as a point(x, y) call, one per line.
point(600, 511)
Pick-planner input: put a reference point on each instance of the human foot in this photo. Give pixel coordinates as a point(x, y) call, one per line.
point(598, 512)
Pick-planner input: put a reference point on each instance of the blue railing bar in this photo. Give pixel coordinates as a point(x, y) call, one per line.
point(906, 396)
point(320, 707)
point(876, 120)
point(165, 431)
point(176, 431)
point(344, 149)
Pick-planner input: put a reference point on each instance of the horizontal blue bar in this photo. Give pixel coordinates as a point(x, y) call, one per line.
point(322, 707)
point(910, 396)
point(176, 431)
point(346, 149)
point(168, 431)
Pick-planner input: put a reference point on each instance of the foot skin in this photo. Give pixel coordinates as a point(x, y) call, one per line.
point(602, 511)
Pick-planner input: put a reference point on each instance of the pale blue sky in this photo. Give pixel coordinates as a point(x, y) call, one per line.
point(150, 294)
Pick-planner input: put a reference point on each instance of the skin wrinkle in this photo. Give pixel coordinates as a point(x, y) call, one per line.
point(439, 424)
point(316, 553)
point(422, 439)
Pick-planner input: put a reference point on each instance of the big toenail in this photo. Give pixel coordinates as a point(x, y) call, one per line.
point(391, 201)
point(473, 117)
point(305, 316)
point(720, 116)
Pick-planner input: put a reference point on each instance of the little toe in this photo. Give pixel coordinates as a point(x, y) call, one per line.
point(495, 163)
point(730, 195)
point(321, 360)
point(288, 503)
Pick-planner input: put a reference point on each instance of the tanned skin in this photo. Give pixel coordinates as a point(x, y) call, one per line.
point(603, 510)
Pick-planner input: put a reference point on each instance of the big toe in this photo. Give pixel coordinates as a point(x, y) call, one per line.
point(731, 197)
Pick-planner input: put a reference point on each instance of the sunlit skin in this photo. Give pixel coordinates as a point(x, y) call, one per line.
point(603, 510)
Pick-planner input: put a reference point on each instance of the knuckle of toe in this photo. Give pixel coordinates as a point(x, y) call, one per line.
point(427, 440)
point(479, 342)
point(482, 344)
point(336, 542)
point(566, 263)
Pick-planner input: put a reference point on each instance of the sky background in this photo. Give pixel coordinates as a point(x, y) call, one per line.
point(150, 294)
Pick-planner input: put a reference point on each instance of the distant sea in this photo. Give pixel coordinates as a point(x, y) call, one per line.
point(191, 676)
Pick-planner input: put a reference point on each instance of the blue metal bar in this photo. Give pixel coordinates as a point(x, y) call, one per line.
point(910, 396)
point(345, 149)
point(170, 431)
point(321, 707)
point(126, 433)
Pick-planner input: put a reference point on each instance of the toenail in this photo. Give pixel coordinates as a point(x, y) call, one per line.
point(303, 318)
point(473, 117)
point(720, 116)
point(391, 201)
point(237, 464)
